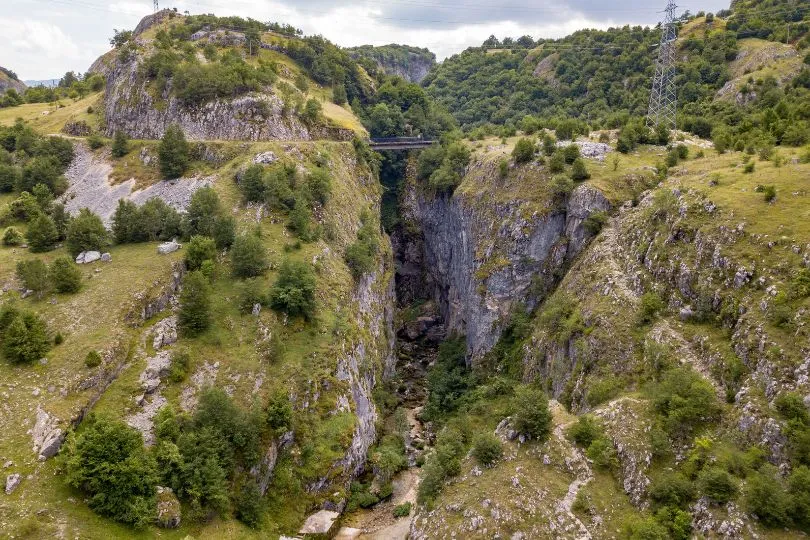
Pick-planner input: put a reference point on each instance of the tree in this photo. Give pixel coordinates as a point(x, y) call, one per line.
point(42, 234)
point(767, 499)
point(339, 96)
point(294, 290)
point(85, 232)
point(532, 416)
point(173, 152)
point(126, 222)
point(195, 304)
point(252, 184)
point(312, 111)
point(10, 176)
point(579, 171)
point(198, 250)
point(301, 222)
point(524, 150)
point(107, 461)
point(25, 339)
point(248, 257)
point(120, 145)
point(34, 275)
point(65, 275)
point(319, 184)
point(685, 400)
point(12, 237)
point(203, 213)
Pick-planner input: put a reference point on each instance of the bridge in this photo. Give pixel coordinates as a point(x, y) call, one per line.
point(400, 143)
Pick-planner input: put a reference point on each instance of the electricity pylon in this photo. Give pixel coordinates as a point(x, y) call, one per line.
point(663, 98)
point(157, 7)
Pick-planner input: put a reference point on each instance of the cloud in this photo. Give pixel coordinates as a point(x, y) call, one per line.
point(32, 37)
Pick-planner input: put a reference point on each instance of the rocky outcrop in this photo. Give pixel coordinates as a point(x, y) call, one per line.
point(168, 508)
point(149, 303)
point(46, 435)
point(411, 63)
point(482, 258)
point(8, 82)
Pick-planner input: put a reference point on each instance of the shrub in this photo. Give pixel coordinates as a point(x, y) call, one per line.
point(44, 170)
point(532, 416)
point(766, 497)
point(294, 290)
point(579, 171)
point(173, 153)
point(180, 364)
point(85, 232)
point(312, 111)
point(34, 275)
point(556, 164)
point(361, 256)
point(195, 304)
point(651, 305)
point(549, 144)
point(25, 338)
point(10, 176)
point(108, 462)
point(685, 400)
point(749, 167)
point(717, 485)
point(595, 222)
point(585, 431)
point(12, 237)
point(248, 258)
point(93, 359)
point(301, 222)
point(769, 193)
point(571, 153)
point(602, 453)
point(402, 510)
point(279, 413)
point(561, 186)
point(799, 491)
point(671, 489)
point(249, 504)
point(524, 150)
point(487, 449)
point(42, 234)
point(65, 275)
point(319, 185)
point(198, 250)
point(503, 168)
point(95, 141)
point(252, 184)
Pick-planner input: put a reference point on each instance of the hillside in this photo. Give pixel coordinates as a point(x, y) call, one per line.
point(410, 63)
point(8, 79)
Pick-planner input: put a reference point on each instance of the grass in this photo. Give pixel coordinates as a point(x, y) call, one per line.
point(50, 118)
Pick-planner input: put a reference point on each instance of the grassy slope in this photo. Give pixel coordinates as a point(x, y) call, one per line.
point(49, 118)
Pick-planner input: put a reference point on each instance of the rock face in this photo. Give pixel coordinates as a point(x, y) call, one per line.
point(8, 82)
point(410, 63)
point(46, 435)
point(475, 282)
point(319, 523)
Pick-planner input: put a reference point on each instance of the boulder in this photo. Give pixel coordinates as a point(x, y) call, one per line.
point(168, 247)
point(265, 158)
point(106, 257)
point(86, 257)
point(47, 437)
point(320, 522)
point(12, 481)
point(168, 508)
point(165, 332)
point(157, 367)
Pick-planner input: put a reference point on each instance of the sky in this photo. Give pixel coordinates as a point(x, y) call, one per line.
point(43, 39)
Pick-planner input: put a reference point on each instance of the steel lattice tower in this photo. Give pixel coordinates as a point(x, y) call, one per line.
point(663, 98)
point(157, 7)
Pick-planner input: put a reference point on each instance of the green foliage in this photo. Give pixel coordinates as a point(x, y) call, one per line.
point(444, 166)
point(602, 453)
point(767, 498)
point(252, 184)
point(487, 449)
point(279, 413)
point(42, 234)
point(154, 220)
point(93, 359)
point(301, 222)
point(248, 257)
point(449, 380)
point(12, 237)
point(684, 400)
point(206, 216)
point(65, 275)
point(402, 510)
point(595, 221)
point(571, 153)
point(10, 177)
point(445, 462)
point(319, 185)
point(23, 336)
point(85, 232)
point(585, 431)
point(173, 153)
point(249, 504)
point(645, 529)
point(195, 304)
point(108, 462)
point(716, 484)
point(33, 273)
point(651, 305)
point(769, 193)
point(120, 145)
point(503, 168)
point(524, 150)
point(556, 164)
point(180, 365)
point(95, 141)
point(361, 256)
point(671, 489)
point(46, 170)
point(294, 290)
point(532, 416)
point(198, 250)
point(579, 171)
point(313, 111)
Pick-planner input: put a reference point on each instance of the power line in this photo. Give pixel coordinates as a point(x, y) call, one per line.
point(663, 97)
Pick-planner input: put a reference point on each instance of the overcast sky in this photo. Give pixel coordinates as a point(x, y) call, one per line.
point(42, 39)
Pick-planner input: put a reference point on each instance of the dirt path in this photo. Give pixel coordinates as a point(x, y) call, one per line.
point(578, 465)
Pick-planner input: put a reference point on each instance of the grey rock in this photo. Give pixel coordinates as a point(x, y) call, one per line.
point(106, 257)
point(46, 435)
point(87, 257)
point(257, 309)
point(157, 367)
point(168, 508)
point(168, 247)
point(12, 481)
point(320, 522)
point(164, 332)
point(265, 158)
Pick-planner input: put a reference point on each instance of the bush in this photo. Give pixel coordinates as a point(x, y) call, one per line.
point(685, 400)
point(173, 153)
point(195, 304)
point(402, 510)
point(585, 431)
point(12, 237)
point(487, 449)
point(361, 256)
point(34, 275)
point(249, 504)
point(556, 164)
point(42, 234)
point(769, 193)
point(571, 153)
point(65, 275)
point(749, 167)
point(524, 150)
point(449, 380)
point(503, 168)
point(85, 232)
point(294, 290)
point(561, 186)
point(301, 222)
point(651, 305)
point(319, 185)
point(766, 497)
point(10, 176)
point(248, 258)
point(24, 337)
point(579, 171)
point(671, 489)
point(180, 364)
point(198, 250)
point(602, 453)
point(532, 416)
point(108, 462)
point(95, 141)
point(93, 359)
point(312, 111)
point(595, 222)
point(717, 485)
point(252, 184)
point(279, 413)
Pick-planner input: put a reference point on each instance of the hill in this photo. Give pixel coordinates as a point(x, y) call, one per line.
point(8, 79)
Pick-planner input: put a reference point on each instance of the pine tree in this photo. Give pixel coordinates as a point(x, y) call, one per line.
point(86, 232)
point(173, 152)
point(248, 257)
point(252, 184)
point(579, 171)
point(25, 339)
point(65, 275)
point(34, 275)
point(126, 222)
point(42, 234)
point(120, 145)
point(195, 304)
